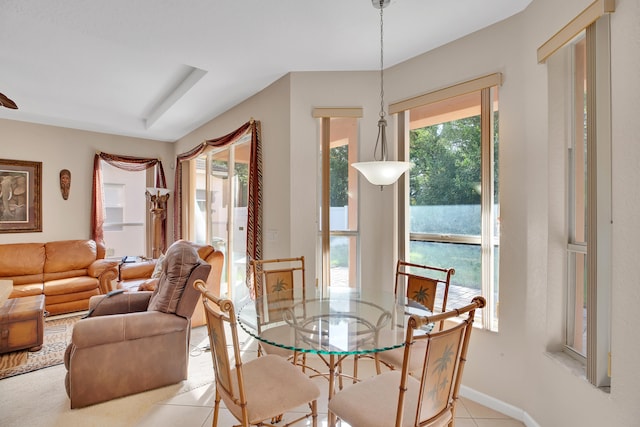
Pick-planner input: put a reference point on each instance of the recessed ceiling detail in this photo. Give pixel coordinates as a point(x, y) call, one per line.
point(116, 66)
point(183, 86)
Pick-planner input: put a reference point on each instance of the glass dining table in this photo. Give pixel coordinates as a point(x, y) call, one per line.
point(333, 326)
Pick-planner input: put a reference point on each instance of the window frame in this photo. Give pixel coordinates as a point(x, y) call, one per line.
point(325, 232)
point(487, 241)
point(228, 284)
point(595, 21)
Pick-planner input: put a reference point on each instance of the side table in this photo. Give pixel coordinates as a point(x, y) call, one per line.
point(22, 324)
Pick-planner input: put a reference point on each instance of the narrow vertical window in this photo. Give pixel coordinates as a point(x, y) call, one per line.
point(576, 332)
point(579, 68)
point(338, 234)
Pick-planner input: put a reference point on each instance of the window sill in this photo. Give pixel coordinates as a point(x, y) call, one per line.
point(574, 366)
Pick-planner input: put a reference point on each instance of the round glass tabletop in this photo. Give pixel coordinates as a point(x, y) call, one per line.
point(344, 321)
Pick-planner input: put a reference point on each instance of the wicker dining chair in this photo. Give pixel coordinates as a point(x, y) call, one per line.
point(276, 282)
point(261, 389)
point(420, 284)
point(426, 398)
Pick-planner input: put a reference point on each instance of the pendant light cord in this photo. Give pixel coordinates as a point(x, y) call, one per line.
point(382, 113)
point(382, 123)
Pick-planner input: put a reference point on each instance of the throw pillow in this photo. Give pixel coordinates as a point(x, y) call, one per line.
point(180, 260)
point(157, 271)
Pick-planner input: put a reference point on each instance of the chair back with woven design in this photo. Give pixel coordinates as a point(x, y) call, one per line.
point(420, 397)
point(421, 283)
point(444, 359)
point(257, 378)
point(277, 282)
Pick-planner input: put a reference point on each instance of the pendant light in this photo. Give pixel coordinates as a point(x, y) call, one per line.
point(381, 171)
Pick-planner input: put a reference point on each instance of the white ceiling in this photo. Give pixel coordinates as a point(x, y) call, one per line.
point(105, 66)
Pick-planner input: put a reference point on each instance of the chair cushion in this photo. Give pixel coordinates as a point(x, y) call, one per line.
point(373, 403)
point(272, 386)
point(395, 357)
point(180, 260)
point(279, 334)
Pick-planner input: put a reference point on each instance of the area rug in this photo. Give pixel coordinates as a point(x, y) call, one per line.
point(57, 336)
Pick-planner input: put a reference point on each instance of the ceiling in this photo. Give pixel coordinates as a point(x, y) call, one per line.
point(159, 69)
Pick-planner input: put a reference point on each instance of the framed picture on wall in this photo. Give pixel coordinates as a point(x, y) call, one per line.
point(20, 196)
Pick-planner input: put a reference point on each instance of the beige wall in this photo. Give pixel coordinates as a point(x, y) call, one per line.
point(60, 148)
point(625, 345)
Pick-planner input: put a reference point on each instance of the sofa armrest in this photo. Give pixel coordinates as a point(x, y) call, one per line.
point(126, 302)
point(99, 266)
point(105, 271)
point(103, 330)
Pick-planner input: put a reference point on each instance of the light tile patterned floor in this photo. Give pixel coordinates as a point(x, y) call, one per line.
point(195, 409)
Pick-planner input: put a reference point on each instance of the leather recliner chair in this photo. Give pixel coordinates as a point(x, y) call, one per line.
point(138, 276)
point(136, 341)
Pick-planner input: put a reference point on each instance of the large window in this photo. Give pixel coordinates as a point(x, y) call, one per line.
point(338, 234)
point(580, 132)
point(452, 199)
point(220, 200)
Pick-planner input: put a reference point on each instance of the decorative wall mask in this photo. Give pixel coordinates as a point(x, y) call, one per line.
point(65, 183)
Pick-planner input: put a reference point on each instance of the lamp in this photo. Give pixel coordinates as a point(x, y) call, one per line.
point(381, 171)
point(158, 198)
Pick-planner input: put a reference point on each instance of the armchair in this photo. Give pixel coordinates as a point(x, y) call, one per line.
point(136, 341)
point(138, 276)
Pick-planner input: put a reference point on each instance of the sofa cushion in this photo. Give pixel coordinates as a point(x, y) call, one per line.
point(66, 255)
point(70, 285)
point(22, 259)
point(75, 296)
point(27, 290)
point(181, 258)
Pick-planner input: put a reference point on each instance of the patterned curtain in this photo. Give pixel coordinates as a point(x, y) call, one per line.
point(254, 220)
point(131, 164)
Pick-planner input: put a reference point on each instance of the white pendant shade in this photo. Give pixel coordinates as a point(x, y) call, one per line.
point(382, 172)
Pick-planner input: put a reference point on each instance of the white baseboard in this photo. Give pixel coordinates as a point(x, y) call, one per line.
point(498, 405)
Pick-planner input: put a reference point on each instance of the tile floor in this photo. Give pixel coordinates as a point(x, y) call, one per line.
point(195, 408)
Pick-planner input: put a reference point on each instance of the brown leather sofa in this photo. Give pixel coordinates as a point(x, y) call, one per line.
point(136, 341)
point(137, 276)
point(66, 272)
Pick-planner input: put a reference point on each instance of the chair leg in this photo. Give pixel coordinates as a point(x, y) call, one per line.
point(216, 407)
point(314, 413)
